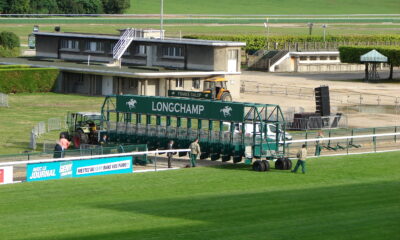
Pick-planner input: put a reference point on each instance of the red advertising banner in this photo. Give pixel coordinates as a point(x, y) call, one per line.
point(1, 175)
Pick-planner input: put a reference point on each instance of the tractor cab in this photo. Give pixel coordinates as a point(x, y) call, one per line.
point(218, 89)
point(83, 127)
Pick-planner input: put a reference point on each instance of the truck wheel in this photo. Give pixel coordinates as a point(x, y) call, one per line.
point(226, 97)
point(266, 165)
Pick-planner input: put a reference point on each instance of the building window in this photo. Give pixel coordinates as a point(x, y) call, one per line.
point(140, 50)
point(94, 46)
point(70, 44)
point(313, 58)
point(196, 83)
point(333, 58)
point(303, 58)
point(179, 83)
point(323, 58)
point(172, 52)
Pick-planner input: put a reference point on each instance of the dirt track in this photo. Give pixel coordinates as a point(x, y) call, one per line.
point(344, 94)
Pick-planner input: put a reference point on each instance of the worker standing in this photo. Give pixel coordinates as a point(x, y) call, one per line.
point(64, 143)
point(318, 143)
point(301, 156)
point(169, 154)
point(194, 151)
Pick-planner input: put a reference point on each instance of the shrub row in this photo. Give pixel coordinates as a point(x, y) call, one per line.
point(256, 42)
point(7, 52)
point(19, 80)
point(351, 54)
point(14, 66)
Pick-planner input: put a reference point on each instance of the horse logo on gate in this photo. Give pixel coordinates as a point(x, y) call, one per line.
point(131, 104)
point(226, 111)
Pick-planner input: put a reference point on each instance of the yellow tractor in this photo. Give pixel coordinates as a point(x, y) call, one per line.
point(217, 87)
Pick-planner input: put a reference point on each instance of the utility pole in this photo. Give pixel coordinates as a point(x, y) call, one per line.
point(161, 20)
point(324, 27)
point(266, 25)
point(310, 26)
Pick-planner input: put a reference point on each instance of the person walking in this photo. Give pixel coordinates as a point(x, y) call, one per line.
point(64, 143)
point(318, 143)
point(302, 156)
point(194, 151)
point(169, 154)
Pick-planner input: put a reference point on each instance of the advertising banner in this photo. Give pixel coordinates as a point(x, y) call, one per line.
point(191, 108)
point(189, 94)
point(78, 168)
point(6, 175)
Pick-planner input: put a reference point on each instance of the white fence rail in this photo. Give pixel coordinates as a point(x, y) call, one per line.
point(3, 100)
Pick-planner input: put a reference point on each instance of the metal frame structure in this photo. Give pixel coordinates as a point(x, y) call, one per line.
point(156, 120)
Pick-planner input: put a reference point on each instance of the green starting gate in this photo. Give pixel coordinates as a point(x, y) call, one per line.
point(219, 126)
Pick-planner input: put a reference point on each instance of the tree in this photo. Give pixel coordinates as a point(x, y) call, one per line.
point(91, 6)
point(9, 40)
point(44, 6)
point(70, 7)
point(18, 6)
point(116, 6)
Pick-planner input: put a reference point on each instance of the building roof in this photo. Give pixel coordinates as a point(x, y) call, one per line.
point(373, 56)
point(101, 69)
point(150, 40)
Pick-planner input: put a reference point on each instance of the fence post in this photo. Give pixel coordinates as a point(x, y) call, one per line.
point(395, 136)
point(258, 88)
point(374, 139)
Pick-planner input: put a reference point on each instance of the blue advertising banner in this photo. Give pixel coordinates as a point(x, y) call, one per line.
point(78, 168)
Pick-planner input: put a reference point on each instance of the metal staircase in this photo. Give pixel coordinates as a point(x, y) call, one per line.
point(124, 42)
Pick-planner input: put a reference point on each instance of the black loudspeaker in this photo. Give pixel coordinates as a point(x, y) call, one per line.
point(322, 103)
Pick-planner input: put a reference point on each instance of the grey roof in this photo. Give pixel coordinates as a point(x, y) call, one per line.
point(373, 56)
point(150, 40)
point(101, 69)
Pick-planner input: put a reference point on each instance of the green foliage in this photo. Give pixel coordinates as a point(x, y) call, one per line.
point(341, 197)
point(91, 6)
point(256, 42)
point(7, 52)
point(70, 7)
point(18, 6)
point(351, 54)
point(9, 40)
point(18, 80)
point(115, 6)
point(44, 6)
point(14, 66)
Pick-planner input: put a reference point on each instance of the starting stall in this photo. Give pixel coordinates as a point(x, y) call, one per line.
point(226, 130)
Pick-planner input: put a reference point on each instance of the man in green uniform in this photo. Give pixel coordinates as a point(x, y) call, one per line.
point(194, 151)
point(318, 143)
point(301, 155)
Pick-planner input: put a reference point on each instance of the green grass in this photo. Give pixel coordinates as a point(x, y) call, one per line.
point(26, 110)
point(350, 197)
point(266, 7)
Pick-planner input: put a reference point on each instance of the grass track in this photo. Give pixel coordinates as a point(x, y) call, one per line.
point(352, 197)
point(266, 7)
point(27, 110)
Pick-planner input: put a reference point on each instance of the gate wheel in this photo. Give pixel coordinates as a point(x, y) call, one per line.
point(266, 164)
point(289, 164)
point(258, 166)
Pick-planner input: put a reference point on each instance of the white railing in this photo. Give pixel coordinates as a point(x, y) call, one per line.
point(3, 100)
point(124, 42)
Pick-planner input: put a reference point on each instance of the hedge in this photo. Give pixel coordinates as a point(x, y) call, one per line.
point(19, 80)
point(256, 42)
point(14, 66)
point(351, 54)
point(7, 52)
